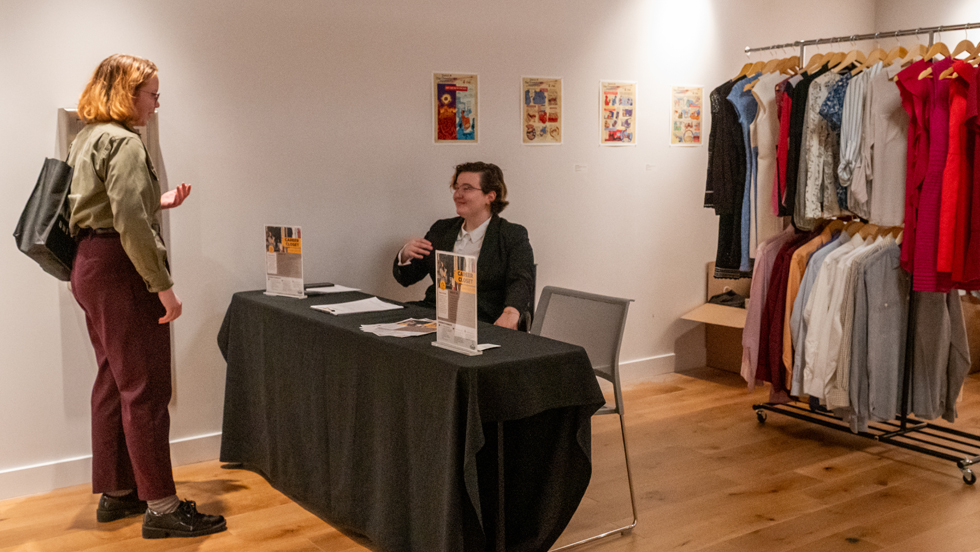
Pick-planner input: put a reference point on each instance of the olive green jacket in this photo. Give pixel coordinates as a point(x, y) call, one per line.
point(114, 186)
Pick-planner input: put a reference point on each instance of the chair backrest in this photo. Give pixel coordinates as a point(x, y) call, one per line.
point(594, 322)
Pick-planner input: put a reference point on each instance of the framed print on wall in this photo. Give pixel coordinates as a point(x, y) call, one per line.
point(617, 113)
point(455, 110)
point(541, 121)
point(685, 115)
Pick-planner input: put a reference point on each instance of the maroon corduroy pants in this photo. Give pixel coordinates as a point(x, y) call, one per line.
point(130, 420)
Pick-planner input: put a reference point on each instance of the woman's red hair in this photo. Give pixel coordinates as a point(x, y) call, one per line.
point(108, 96)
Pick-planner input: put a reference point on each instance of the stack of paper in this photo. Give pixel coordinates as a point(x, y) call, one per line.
point(406, 328)
point(372, 304)
point(334, 288)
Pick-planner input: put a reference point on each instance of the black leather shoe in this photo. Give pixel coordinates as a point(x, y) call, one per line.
point(185, 521)
point(113, 508)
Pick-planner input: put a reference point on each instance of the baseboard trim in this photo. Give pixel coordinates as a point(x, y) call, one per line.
point(637, 371)
point(48, 476)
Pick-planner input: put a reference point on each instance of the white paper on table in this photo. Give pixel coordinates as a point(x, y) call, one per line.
point(485, 346)
point(410, 327)
point(372, 304)
point(332, 289)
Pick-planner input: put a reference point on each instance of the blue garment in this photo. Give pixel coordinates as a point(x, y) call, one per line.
point(832, 110)
point(746, 106)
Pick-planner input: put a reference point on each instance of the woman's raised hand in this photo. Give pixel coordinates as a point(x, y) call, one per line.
point(175, 197)
point(416, 248)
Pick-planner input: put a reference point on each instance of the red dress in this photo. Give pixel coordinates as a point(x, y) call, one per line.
point(966, 82)
point(971, 265)
point(953, 174)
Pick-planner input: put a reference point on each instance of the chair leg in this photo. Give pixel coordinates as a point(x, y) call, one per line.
point(629, 475)
point(625, 530)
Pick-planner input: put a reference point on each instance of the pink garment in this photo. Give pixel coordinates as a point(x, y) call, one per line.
point(925, 277)
point(782, 147)
point(764, 259)
point(915, 94)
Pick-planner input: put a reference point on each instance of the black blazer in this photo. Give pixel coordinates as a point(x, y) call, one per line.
point(504, 269)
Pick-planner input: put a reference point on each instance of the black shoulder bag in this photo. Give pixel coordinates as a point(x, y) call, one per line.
point(42, 232)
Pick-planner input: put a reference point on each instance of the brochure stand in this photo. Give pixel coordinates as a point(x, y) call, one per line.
point(456, 303)
point(284, 261)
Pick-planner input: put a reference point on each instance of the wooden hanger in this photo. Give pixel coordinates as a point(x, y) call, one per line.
point(772, 65)
point(897, 52)
point(852, 227)
point(868, 230)
point(928, 70)
point(917, 52)
point(744, 71)
point(874, 57)
point(937, 49)
point(790, 65)
point(756, 68)
point(964, 46)
point(836, 58)
point(849, 58)
point(815, 62)
point(835, 225)
point(949, 73)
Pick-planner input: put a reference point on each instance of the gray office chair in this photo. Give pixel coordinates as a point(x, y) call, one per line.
point(596, 323)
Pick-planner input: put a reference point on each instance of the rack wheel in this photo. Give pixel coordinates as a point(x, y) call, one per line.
point(761, 416)
point(969, 477)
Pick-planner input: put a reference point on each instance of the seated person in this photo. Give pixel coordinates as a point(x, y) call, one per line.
point(505, 261)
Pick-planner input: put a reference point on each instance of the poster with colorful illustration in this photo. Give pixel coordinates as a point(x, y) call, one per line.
point(541, 111)
point(455, 108)
point(685, 115)
point(617, 113)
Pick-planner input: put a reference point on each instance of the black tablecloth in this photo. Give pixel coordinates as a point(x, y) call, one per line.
point(394, 441)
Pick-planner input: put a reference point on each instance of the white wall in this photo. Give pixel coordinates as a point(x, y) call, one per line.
point(317, 114)
point(894, 15)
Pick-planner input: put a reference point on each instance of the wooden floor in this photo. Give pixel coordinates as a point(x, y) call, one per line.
point(708, 477)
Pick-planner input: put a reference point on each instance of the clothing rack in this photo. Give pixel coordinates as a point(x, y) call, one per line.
point(802, 44)
point(904, 432)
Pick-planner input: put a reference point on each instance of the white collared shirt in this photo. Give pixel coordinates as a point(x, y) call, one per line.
point(470, 243)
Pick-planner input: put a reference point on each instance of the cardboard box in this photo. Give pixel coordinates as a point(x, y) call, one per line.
point(723, 325)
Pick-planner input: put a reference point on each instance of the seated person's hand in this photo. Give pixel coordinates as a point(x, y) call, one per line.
point(416, 248)
point(509, 318)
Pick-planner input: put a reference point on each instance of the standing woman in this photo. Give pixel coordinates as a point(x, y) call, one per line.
point(121, 279)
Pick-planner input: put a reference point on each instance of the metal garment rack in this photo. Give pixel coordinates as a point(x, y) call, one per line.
point(802, 44)
point(905, 432)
